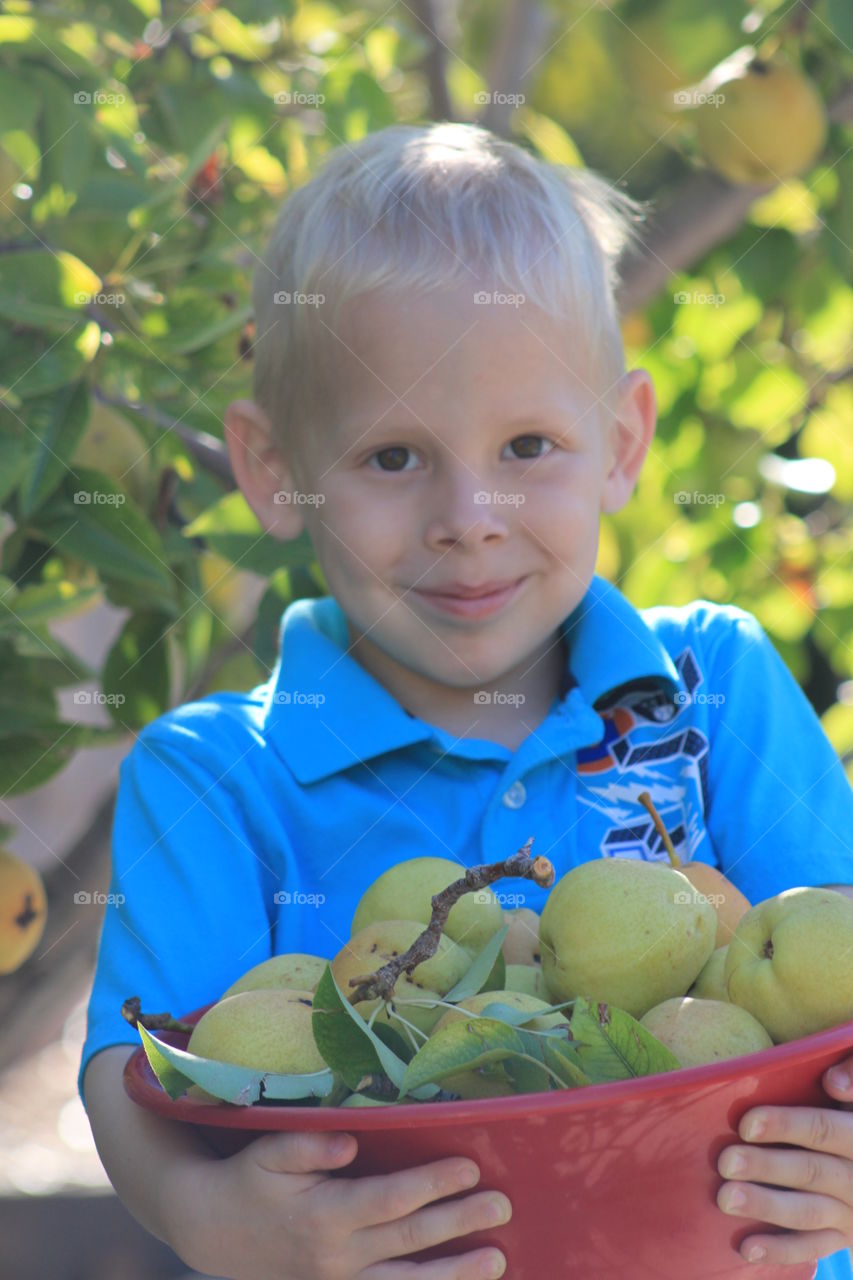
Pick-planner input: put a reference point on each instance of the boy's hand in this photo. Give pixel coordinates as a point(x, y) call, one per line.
point(819, 1209)
point(272, 1212)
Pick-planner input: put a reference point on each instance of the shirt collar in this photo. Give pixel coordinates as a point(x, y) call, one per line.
point(323, 712)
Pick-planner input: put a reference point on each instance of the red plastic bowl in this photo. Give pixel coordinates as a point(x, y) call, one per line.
point(606, 1182)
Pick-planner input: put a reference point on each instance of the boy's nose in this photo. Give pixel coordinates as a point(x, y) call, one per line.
point(469, 513)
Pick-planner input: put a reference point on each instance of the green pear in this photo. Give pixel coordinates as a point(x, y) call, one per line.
point(700, 1031)
point(527, 978)
point(521, 944)
point(296, 970)
point(265, 1030)
point(542, 1015)
point(372, 947)
point(405, 892)
point(627, 932)
point(711, 983)
point(362, 1100)
point(790, 962)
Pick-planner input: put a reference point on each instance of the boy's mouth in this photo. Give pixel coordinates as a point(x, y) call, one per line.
point(472, 601)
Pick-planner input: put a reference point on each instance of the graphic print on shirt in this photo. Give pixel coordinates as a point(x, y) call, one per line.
point(645, 748)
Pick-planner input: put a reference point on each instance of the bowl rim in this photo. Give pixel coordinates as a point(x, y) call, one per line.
point(137, 1079)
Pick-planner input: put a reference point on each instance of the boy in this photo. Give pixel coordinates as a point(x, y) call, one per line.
point(440, 399)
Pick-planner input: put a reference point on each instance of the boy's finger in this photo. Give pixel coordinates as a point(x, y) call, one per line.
point(433, 1225)
point(303, 1152)
point(480, 1264)
point(380, 1198)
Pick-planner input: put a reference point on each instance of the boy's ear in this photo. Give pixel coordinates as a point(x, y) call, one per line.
point(261, 469)
point(632, 429)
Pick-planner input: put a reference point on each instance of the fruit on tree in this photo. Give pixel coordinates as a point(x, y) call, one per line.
point(770, 125)
point(699, 1031)
point(405, 892)
point(23, 910)
point(264, 1030)
point(374, 945)
point(295, 970)
point(627, 932)
point(790, 962)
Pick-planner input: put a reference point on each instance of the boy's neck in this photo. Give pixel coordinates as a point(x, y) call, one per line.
point(537, 678)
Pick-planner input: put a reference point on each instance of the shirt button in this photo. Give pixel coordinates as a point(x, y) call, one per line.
point(515, 796)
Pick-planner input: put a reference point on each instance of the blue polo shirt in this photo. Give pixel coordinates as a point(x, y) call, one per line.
point(249, 824)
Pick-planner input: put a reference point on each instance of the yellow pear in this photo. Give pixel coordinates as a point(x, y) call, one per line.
point(627, 932)
point(295, 970)
point(699, 1031)
point(372, 947)
point(521, 944)
point(265, 1030)
point(23, 910)
point(711, 983)
point(527, 978)
point(790, 962)
point(405, 892)
point(112, 444)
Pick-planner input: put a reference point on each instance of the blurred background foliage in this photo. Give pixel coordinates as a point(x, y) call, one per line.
point(145, 147)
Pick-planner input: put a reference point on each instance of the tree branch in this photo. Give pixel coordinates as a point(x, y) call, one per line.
point(523, 38)
point(434, 22)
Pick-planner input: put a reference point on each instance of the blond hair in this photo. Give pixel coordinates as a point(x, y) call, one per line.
point(416, 208)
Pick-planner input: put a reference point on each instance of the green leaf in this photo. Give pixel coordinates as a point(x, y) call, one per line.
point(482, 971)
point(220, 328)
point(34, 606)
point(58, 421)
point(465, 1045)
point(24, 703)
point(108, 531)
point(137, 674)
point(33, 364)
point(231, 528)
point(30, 759)
point(611, 1045)
point(176, 1070)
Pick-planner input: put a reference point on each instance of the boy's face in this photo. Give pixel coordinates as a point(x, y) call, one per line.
point(464, 450)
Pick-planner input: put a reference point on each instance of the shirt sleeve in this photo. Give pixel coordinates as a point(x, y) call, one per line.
point(780, 808)
point(190, 899)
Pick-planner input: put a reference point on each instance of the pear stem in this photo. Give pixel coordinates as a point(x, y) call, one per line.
point(131, 1012)
point(646, 800)
point(381, 983)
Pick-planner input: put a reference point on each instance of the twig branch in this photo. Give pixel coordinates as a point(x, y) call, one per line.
point(209, 451)
point(432, 17)
point(381, 983)
point(523, 37)
point(131, 1011)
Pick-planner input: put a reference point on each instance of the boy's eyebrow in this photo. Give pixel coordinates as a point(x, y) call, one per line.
point(359, 429)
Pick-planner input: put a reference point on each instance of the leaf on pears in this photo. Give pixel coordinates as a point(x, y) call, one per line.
point(176, 1070)
point(611, 1045)
point(486, 968)
point(462, 1046)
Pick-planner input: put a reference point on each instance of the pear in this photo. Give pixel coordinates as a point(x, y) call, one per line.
point(527, 978)
point(487, 1082)
point(265, 1030)
point(23, 910)
point(699, 1031)
point(405, 892)
point(790, 962)
point(623, 931)
point(362, 1100)
point(295, 970)
point(372, 947)
point(521, 944)
point(711, 983)
point(112, 444)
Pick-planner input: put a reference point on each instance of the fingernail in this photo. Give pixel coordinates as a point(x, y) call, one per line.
point(469, 1177)
point(338, 1146)
point(733, 1198)
point(754, 1128)
point(493, 1267)
point(732, 1163)
point(839, 1079)
point(755, 1253)
point(498, 1211)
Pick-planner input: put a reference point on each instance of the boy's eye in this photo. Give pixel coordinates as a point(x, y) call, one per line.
point(526, 442)
point(395, 454)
